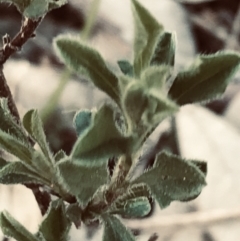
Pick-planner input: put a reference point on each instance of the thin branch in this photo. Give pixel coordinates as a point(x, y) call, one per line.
point(201, 219)
point(6, 93)
point(10, 47)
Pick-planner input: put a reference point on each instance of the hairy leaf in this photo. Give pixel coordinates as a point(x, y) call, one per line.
point(80, 180)
point(133, 208)
point(33, 124)
point(146, 107)
point(206, 79)
point(155, 78)
point(172, 178)
point(8, 123)
point(125, 67)
point(16, 147)
point(35, 8)
point(56, 225)
point(52, 4)
point(114, 230)
point(147, 31)
point(12, 228)
point(17, 172)
point(102, 140)
point(165, 50)
point(87, 61)
point(59, 156)
point(82, 121)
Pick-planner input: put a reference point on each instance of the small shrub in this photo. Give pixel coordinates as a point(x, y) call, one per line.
point(76, 188)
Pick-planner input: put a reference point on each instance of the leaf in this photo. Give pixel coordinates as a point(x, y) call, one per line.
point(82, 120)
point(40, 163)
point(102, 141)
point(114, 230)
point(147, 31)
point(165, 50)
point(33, 124)
point(134, 203)
point(3, 162)
point(8, 123)
point(16, 147)
point(125, 67)
point(74, 213)
point(155, 78)
point(80, 180)
point(59, 156)
point(145, 107)
point(18, 173)
point(52, 4)
point(35, 8)
point(12, 228)
point(85, 60)
point(172, 178)
point(206, 79)
point(56, 225)
point(134, 208)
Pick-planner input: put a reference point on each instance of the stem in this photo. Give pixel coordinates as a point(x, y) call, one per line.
point(6, 93)
point(91, 18)
point(10, 47)
point(26, 32)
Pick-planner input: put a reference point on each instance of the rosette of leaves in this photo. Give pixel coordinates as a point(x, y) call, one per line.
point(145, 93)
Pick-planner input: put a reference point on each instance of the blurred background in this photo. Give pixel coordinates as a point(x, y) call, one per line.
point(208, 132)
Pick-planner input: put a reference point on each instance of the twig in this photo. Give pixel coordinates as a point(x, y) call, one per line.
point(10, 47)
point(205, 218)
point(6, 93)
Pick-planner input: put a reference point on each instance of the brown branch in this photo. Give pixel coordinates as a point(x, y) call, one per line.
point(10, 47)
point(202, 219)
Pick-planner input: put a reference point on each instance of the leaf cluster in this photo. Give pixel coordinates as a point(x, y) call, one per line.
point(145, 93)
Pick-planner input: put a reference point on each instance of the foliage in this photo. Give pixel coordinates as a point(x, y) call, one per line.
point(144, 96)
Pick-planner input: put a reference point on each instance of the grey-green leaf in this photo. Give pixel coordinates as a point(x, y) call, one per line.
point(33, 124)
point(206, 79)
point(35, 8)
point(16, 147)
point(173, 178)
point(80, 180)
point(147, 32)
point(134, 208)
point(85, 60)
point(56, 225)
point(126, 67)
point(18, 173)
point(8, 123)
point(165, 50)
point(12, 228)
point(114, 230)
point(82, 120)
point(52, 4)
point(102, 141)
